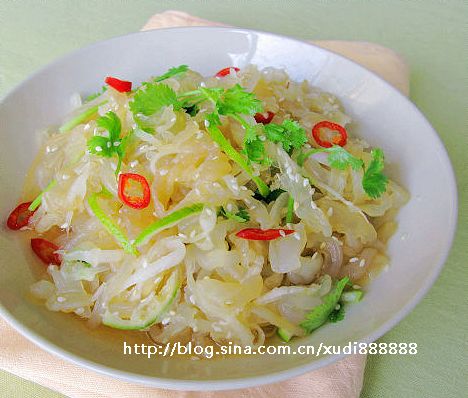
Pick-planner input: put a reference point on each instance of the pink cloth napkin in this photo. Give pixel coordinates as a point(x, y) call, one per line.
point(342, 379)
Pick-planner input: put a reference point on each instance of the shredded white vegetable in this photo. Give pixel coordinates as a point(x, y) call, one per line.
point(195, 279)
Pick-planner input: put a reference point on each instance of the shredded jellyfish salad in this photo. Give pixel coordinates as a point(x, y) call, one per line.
point(208, 209)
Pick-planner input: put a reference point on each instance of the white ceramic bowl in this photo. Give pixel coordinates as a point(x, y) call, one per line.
point(415, 155)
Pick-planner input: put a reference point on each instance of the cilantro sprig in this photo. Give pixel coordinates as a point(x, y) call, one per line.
point(152, 97)
point(111, 145)
point(374, 182)
point(289, 133)
point(338, 158)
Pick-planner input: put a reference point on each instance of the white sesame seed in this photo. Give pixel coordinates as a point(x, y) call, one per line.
point(228, 302)
point(199, 135)
point(163, 172)
point(362, 263)
point(195, 329)
point(330, 211)
point(192, 234)
point(108, 144)
point(229, 207)
point(65, 177)
point(356, 287)
point(262, 138)
point(171, 313)
point(197, 191)
point(353, 260)
point(322, 245)
point(209, 212)
point(79, 311)
point(61, 299)
point(116, 143)
point(337, 307)
point(98, 149)
point(282, 233)
point(133, 163)
point(50, 149)
point(305, 182)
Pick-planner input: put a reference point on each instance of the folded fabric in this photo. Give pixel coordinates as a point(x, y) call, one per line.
point(342, 379)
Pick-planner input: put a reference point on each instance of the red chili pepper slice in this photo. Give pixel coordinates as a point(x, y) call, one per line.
point(122, 86)
point(339, 139)
point(261, 118)
point(20, 216)
point(136, 202)
point(263, 234)
point(226, 71)
point(45, 250)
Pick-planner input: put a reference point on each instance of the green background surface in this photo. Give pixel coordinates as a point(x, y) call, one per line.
point(431, 35)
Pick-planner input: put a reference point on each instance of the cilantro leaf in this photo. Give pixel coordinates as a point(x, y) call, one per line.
point(110, 122)
point(111, 145)
point(250, 133)
point(374, 181)
point(340, 158)
point(97, 145)
point(289, 133)
point(237, 101)
point(337, 314)
point(241, 216)
point(177, 70)
point(254, 149)
point(319, 315)
point(152, 97)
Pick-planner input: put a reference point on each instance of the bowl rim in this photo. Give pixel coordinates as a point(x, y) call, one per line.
point(245, 382)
